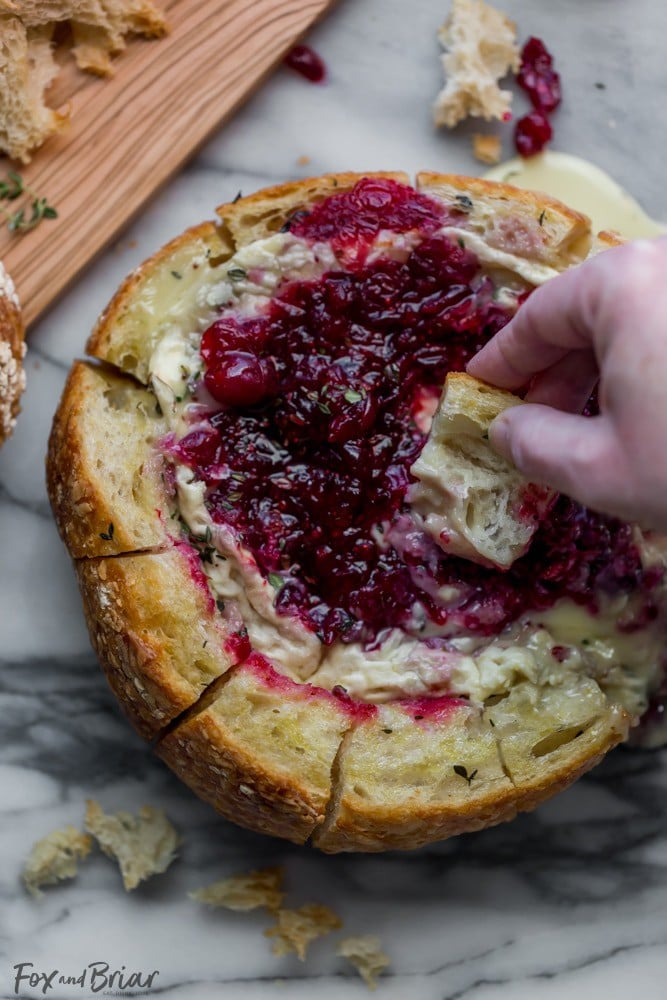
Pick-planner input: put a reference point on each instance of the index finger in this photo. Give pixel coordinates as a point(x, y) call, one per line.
point(547, 327)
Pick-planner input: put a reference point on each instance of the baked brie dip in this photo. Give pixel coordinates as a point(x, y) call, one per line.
point(341, 617)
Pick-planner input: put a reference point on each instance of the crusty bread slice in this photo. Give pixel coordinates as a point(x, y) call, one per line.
point(12, 351)
point(272, 754)
point(153, 625)
point(471, 500)
point(261, 748)
point(104, 475)
point(156, 296)
point(528, 224)
point(27, 67)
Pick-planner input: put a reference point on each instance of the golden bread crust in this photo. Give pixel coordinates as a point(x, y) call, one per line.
point(104, 475)
point(272, 755)
point(12, 351)
point(261, 753)
point(529, 223)
point(153, 626)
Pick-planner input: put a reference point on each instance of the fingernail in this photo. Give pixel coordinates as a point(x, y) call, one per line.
point(499, 433)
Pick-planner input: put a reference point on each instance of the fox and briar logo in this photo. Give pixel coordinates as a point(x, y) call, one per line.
point(98, 977)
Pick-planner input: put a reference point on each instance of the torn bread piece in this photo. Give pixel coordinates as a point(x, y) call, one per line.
point(472, 501)
point(365, 953)
point(99, 27)
point(248, 891)
point(55, 858)
point(143, 845)
point(480, 44)
point(27, 67)
point(295, 930)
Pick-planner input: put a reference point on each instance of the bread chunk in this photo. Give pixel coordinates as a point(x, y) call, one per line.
point(480, 44)
point(471, 500)
point(55, 858)
point(295, 930)
point(249, 891)
point(487, 148)
point(365, 953)
point(143, 845)
point(27, 68)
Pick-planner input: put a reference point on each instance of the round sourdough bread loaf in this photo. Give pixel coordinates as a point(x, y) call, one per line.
point(12, 351)
point(230, 473)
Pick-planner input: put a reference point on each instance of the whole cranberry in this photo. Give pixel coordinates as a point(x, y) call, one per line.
point(222, 336)
point(239, 378)
point(532, 133)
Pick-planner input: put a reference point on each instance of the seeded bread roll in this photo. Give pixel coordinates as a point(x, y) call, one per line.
point(12, 352)
point(267, 749)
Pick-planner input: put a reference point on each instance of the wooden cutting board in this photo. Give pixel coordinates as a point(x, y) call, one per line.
point(130, 133)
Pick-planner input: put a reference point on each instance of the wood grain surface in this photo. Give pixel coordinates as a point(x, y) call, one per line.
point(130, 133)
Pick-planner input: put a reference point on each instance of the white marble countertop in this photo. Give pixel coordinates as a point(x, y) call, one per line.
point(570, 901)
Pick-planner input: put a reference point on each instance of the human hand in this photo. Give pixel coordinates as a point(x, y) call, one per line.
point(605, 319)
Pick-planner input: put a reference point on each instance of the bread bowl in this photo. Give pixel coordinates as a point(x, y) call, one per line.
point(229, 473)
point(12, 351)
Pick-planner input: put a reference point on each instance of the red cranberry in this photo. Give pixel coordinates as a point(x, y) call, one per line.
point(532, 133)
point(238, 378)
point(355, 217)
point(538, 77)
point(222, 336)
point(306, 61)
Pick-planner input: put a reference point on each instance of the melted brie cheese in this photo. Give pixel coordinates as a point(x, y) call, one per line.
point(397, 665)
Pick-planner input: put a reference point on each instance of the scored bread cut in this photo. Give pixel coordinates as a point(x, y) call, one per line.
point(267, 750)
point(473, 502)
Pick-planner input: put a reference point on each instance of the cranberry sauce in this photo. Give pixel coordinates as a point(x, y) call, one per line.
point(307, 457)
point(542, 85)
point(351, 220)
point(307, 63)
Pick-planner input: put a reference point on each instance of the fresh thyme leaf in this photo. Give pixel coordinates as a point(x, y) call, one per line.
point(177, 275)
point(463, 772)
point(461, 242)
point(464, 203)
point(220, 605)
point(238, 197)
point(541, 218)
point(107, 535)
point(237, 273)
point(352, 396)
point(276, 581)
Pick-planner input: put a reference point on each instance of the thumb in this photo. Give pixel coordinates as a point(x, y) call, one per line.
point(578, 456)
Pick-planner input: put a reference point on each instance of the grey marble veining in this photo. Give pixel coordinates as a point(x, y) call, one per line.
point(570, 901)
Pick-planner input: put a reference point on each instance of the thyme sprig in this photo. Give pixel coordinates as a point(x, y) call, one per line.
point(28, 215)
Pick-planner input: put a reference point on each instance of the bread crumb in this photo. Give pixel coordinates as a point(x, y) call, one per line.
point(365, 953)
point(480, 44)
point(303, 161)
point(487, 148)
point(55, 858)
point(248, 891)
point(296, 929)
point(143, 845)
